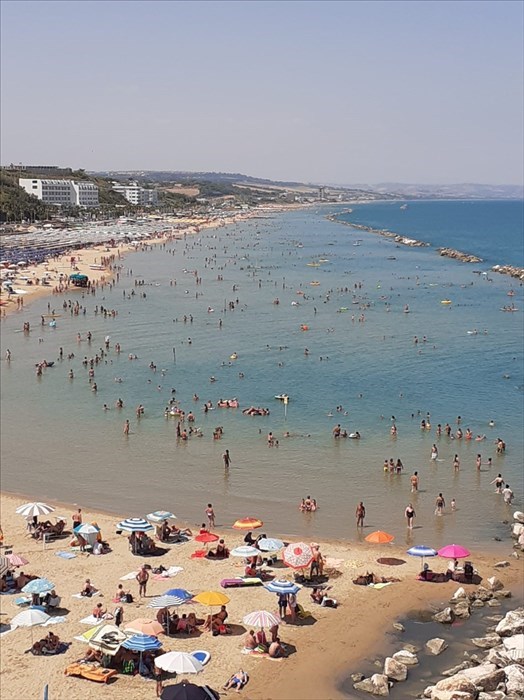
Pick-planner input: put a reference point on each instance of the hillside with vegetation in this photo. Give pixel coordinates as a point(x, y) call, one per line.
point(16, 204)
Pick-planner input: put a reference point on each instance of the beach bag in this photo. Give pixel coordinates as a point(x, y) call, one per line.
point(128, 667)
point(129, 598)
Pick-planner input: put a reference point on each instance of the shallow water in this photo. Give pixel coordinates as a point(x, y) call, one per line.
point(58, 443)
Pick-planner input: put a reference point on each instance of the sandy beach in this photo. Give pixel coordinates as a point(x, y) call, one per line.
point(324, 649)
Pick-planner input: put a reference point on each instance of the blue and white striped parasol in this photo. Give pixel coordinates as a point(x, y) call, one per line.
point(135, 525)
point(142, 642)
point(423, 551)
point(38, 585)
point(270, 544)
point(282, 586)
point(179, 593)
point(167, 601)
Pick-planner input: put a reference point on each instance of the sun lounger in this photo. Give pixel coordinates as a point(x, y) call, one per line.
point(240, 582)
point(93, 673)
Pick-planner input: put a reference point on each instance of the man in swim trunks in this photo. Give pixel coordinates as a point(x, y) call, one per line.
point(360, 514)
point(414, 482)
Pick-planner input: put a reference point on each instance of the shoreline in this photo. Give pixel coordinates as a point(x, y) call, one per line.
point(509, 270)
point(341, 638)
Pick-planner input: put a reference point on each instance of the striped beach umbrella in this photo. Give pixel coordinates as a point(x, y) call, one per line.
point(135, 525)
point(38, 585)
point(421, 550)
point(142, 642)
point(261, 618)
point(178, 662)
point(160, 515)
point(247, 524)
point(282, 586)
point(179, 593)
point(270, 544)
point(166, 601)
point(29, 510)
point(245, 551)
point(297, 555)
point(5, 565)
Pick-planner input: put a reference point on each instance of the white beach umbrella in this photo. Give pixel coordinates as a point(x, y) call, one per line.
point(30, 618)
point(29, 510)
point(261, 618)
point(245, 551)
point(178, 662)
point(160, 515)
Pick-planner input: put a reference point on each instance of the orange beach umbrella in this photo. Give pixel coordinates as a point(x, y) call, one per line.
point(247, 524)
point(379, 537)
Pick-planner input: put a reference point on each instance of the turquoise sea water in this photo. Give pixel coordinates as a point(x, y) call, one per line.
point(59, 443)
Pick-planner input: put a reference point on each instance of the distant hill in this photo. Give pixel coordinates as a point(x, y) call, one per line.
point(456, 191)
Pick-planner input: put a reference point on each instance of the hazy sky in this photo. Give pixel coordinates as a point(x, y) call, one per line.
point(347, 92)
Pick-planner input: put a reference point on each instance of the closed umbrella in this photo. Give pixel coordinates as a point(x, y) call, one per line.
point(29, 510)
point(30, 618)
point(38, 585)
point(160, 515)
point(245, 551)
point(421, 550)
point(17, 560)
point(282, 586)
point(297, 555)
point(187, 691)
point(247, 524)
point(270, 544)
point(379, 537)
point(454, 551)
point(178, 662)
point(135, 525)
point(261, 618)
point(144, 626)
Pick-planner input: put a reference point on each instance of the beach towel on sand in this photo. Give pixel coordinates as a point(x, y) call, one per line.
point(81, 597)
point(65, 555)
point(378, 586)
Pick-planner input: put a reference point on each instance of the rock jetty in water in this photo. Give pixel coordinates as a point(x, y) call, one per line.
point(458, 255)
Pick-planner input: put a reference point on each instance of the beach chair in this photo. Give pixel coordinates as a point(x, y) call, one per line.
point(92, 673)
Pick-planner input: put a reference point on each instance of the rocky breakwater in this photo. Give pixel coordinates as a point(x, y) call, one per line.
point(402, 240)
point(458, 255)
point(510, 270)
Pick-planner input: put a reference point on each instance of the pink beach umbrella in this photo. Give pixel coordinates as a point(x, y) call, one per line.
point(453, 551)
point(17, 560)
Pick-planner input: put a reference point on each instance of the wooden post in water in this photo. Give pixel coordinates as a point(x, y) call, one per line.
point(174, 355)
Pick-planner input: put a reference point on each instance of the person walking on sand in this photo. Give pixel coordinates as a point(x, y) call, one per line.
point(414, 482)
point(440, 504)
point(210, 515)
point(126, 427)
point(142, 577)
point(360, 514)
point(410, 514)
point(227, 459)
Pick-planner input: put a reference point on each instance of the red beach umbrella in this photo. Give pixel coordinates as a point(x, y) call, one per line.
point(379, 537)
point(206, 537)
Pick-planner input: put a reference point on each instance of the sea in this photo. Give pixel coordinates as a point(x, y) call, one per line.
point(349, 324)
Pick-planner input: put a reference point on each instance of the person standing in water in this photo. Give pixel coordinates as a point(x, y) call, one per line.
point(360, 514)
point(210, 515)
point(456, 463)
point(499, 483)
point(410, 514)
point(440, 504)
point(414, 482)
point(227, 459)
point(126, 427)
point(434, 453)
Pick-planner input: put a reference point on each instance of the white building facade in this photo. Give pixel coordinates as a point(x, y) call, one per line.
point(135, 194)
point(64, 193)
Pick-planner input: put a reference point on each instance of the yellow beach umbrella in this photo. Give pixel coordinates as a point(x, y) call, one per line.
point(212, 598)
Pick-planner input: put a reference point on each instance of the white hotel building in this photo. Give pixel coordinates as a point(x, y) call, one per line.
point(64, 193)
point(135, 194)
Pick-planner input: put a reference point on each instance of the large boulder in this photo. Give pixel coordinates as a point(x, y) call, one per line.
point(436, 646)
point(495, 584)
point(515, 680)
point(494, 603)
point(514, 648)
point(446, 616)
point(459, 594)
point(483, 594)
point(512, 623)
point(485, 677)
point(406, 657)
point(461, 609)
point(395, 670)
point(452, 695)
point(457, 669)
point(487, 642)
point(498, 656)
point(376, 685)
point(455, 688)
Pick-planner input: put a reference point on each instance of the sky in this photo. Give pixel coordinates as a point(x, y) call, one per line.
point(324, 92)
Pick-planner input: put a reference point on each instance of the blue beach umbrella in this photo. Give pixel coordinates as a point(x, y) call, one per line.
point(38, 585)
point(179, 593)
point(282, 586)
point(269, 544)
point(423, 551)
point(135, 525)
point(142, 642)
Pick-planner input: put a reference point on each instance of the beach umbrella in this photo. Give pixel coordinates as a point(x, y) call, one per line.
point(247, 524)
point(179, 593)
point(379, 537)
point(187, 691)
point(261, 618)
point(245, 551)
point(206, 537)
point(453, 551)
point(105, 637)
point(166, 601)
point(160, 515)
point(5, 565)
point(135, 525)
point(142, 642)
point(421, 550)
point(30, 618)
point(269, 544)
point(38, 585)
point(29, 510)
point(88, 532)
point(282, 586)
point(178, 662)
point(144, 626)
point(211, 598)
point(297, 555)
point(17, 559)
